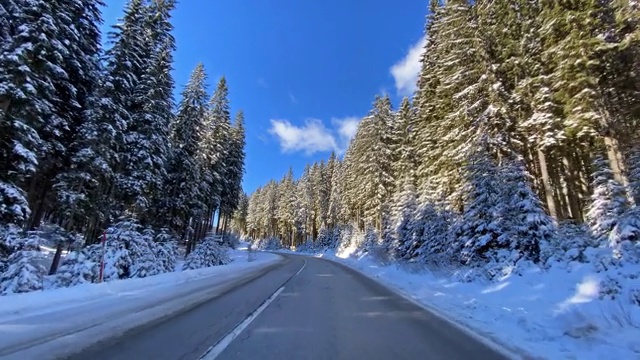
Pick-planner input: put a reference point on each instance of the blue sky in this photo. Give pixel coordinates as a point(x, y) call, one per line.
point(303, 72)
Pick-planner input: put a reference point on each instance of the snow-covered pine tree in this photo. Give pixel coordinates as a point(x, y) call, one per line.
point(528, 226)
point(154, 117)
point(144, 255)
point(184, 199)
point(24, 272)
point(270, 208)
point(71, 51)
point(478, 232)
point(216, 148)
point(239, 223)
point(130, 251)
point(234, 166)
point(159, 112)
point(431, 230)
point(404, 163)
point(287, 208)
point(322, 187)
point(55, 235)
point(166, 247)
point(431, 97)
point(130, 62)
point(252, 214)
point(336, 201)
point(371, 160)
point(86, 188)
point(405, 206)
point(206, 254)
point(608, 202)
point(304, 203)
point(634, 173)
point(79, 267)
point(10, 234)
point(24, 100)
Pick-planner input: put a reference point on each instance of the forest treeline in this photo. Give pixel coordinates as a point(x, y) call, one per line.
point(523, 132)
point(91, 136)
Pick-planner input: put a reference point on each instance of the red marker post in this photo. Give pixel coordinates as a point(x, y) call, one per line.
point(104, 242)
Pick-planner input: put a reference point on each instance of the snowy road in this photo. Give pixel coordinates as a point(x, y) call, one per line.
point(322, 310)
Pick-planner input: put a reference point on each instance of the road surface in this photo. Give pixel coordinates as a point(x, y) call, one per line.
point(321, 310)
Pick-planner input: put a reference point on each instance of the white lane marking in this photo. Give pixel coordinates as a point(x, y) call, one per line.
point(299, 271)
point(217, 349)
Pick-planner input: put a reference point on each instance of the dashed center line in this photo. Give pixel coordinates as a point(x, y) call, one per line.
point(217, 349)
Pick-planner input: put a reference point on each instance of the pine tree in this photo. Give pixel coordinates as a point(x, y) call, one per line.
point(184, 199)
point(287, 208)
point(129, 62)
point(25, 96)
point(206, 254)
point(152, 120)
point(304, 203)
point(73, 71)
point(235, 164)
point(93, 191)
point(241, 214)
point(609, 201)
point(445, 118)
point(252, 214)
point(480, 230)
point(24, 273)
point(369, 162)
point(159, 110)
point(528, 224)
point(336, 201)
point(219, 143)
point(426, 235)
point(405, 206)
point(322, 187)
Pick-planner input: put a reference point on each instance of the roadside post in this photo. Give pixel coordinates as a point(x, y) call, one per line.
point(104, 242)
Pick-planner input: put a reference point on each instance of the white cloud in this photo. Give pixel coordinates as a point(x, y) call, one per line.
point(346, 128)
point(314, 136)
point(311, 138)
point(405, 72)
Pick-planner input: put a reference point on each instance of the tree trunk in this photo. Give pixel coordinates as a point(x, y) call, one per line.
point(572, 195)
point(218, 222)
point(292, 234)
point(546, 184)
point(56, 259)
point(198, 230)
point(4, 104)
point(581, 158)
point(557, 187)
point(189, 248)
point(616, 160)
point(224, 225)
point(204, 226)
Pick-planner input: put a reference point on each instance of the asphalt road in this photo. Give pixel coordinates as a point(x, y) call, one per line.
point(324, 311)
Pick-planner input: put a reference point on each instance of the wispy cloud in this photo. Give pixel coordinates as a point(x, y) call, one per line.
point(346, 129)
point(262, 83)
point(405, 72)
point(313, 136)
point(293, 98)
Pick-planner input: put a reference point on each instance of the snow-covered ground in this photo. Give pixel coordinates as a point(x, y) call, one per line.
point(552, 314)
point(85, 314)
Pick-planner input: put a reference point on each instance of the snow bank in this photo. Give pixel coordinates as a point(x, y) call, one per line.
point(554, 314)
point(50, 323)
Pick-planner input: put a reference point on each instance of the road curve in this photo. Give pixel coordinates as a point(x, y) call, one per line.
point(325, 311)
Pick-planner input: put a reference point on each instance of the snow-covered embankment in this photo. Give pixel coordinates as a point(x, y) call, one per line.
point(58, 322)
